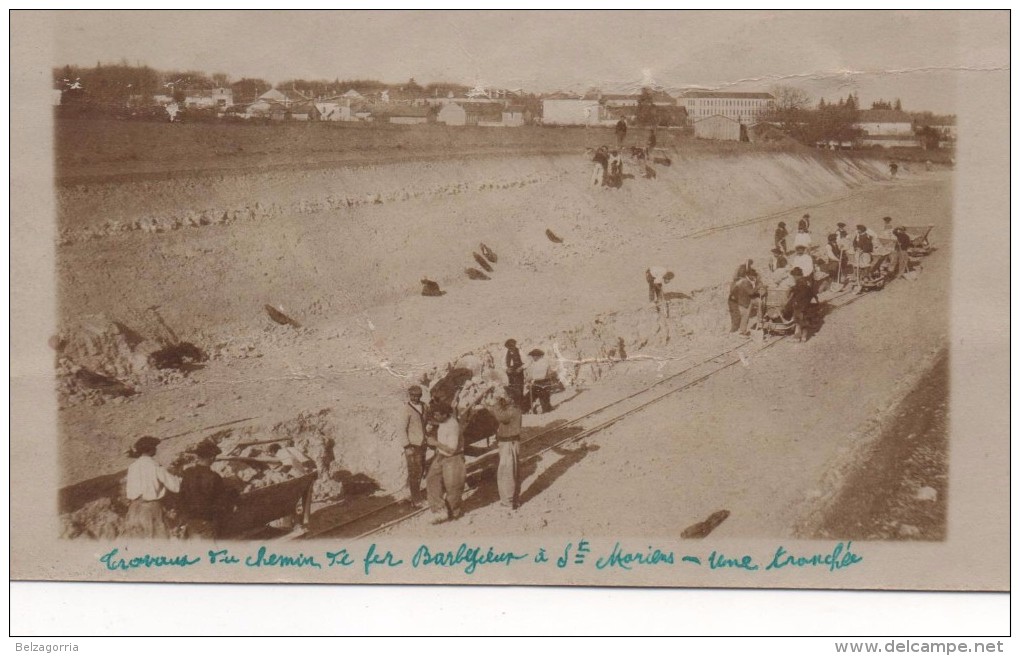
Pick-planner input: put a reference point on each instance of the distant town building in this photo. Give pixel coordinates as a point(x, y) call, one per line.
point(408, 115)
point(886, 127)
point(743, 107)
point(334, 111)
point(719, 127)
point(470, 113)
point(574, 111)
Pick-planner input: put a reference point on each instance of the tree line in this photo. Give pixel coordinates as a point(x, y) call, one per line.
point(121, 84)
point(837, 121)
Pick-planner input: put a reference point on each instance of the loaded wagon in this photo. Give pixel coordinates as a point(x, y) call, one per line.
point(254, 510)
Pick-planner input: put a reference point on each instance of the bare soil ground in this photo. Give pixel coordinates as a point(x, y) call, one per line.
point(341, 250)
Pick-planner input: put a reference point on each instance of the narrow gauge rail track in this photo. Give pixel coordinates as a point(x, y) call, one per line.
point(391, 513)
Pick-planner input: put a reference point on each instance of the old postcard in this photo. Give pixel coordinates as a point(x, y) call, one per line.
point(675, 299)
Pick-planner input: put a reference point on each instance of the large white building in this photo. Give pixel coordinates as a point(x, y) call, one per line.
point(574, 111)
point(744, 107)
point(886, 127)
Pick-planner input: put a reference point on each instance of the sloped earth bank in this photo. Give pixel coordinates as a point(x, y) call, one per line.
point(348, 276)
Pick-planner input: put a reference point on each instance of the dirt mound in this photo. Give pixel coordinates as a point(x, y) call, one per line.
point(313, 433)
point(102, 519)
point(100, 359)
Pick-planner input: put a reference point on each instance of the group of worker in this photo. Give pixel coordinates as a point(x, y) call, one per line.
point(608, 162)
point(202, 496)
point(798, 270)
point(434, 437)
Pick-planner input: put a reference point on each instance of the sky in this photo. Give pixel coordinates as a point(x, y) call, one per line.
point(908, 55)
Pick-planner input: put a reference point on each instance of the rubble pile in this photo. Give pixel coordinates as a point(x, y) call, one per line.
point(101, 360)
point(258, 211)
point(311, 433)
point(102, 519)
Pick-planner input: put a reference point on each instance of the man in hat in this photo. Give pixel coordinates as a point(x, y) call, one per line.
point(778, 260)
point(656, 277)
point(843, 238)
point(887, 228)
point(746, 295)
point(515, 372)
point(803, 237)
point(413, 424)
point(541, 379)
point(202, 494)
point(800, 302)
point(445, 480)
point(147, 484)
point(803, 260)
point(621, 132)
point(508, 439)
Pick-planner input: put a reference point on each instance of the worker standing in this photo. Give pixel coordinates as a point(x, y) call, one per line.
point(652, 140)
point(508, 440)
point(515, 372)
point(445, 480)
point(414, 443)
point(541, 379)
point(747, 295)
point(147, 484)
point(656, 277)
point(800, 302)
point(621, 132)
point(203, 495)
point(780, 237)
point(803, 260)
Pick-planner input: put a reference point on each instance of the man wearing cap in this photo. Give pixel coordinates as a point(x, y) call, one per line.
point(414, 443)
point(541, 379)
point(508, 439)
point(747, 296)
point(800, 301)
point(445, 480)
point(202, 494)
point(802, 238)
point(147, 484)
point(515, 372)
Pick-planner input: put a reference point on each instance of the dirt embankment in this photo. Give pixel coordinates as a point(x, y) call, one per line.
point(348, 276)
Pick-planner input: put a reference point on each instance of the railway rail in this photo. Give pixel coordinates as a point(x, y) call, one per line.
point(391, 513)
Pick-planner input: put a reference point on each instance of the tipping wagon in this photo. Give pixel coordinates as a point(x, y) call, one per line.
point(919, 244)
point(254, 510)
point(775, 320)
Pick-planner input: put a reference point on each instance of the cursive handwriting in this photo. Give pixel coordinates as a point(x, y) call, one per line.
point(114, 563)
point(839, 558)
point(470, 557)
point(627, 560)
point(263, 559)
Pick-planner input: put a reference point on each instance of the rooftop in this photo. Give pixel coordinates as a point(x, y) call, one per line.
point(746, 95)
point(883, 116)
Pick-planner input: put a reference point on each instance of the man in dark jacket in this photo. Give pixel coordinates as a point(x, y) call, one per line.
point(203, 495)
point(801, 295)
point(621, 132)
point(747, 295)
point(515, 372)
point(780, 238)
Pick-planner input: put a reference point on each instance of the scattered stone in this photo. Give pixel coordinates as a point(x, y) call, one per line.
point(475, 274)
point(482, 262)
point(553, 237)
point(908, 531)
point(926, 494)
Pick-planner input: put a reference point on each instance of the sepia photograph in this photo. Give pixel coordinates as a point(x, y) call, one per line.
point(542, 297)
